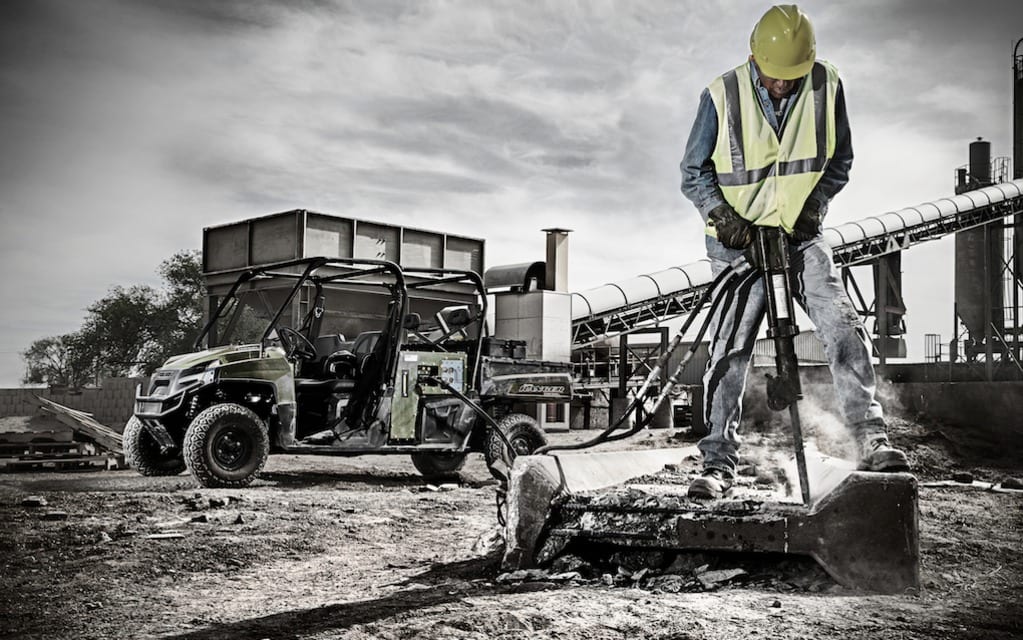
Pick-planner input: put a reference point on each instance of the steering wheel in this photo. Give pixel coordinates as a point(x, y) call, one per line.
point(295, 344)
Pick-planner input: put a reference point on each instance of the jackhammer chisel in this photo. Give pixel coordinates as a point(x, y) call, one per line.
point(770, 254)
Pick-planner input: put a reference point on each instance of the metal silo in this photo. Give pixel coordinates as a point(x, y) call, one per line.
point(978, 259)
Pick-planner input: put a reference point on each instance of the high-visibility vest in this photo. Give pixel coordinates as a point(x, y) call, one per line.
point(767, 178)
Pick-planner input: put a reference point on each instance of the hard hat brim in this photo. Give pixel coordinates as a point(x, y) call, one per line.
point(784, 73)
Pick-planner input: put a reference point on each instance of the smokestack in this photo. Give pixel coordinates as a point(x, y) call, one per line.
point(557, 260)
point(1017, 111)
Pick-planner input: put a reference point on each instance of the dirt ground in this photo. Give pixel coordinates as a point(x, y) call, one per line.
point(363, 548)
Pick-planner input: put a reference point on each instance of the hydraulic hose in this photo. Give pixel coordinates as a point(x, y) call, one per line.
point(722, 283)
point(673, 378)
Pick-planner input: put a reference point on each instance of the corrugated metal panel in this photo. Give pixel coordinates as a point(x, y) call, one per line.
point(305, 234)
point(693, 373)
point(809, 349)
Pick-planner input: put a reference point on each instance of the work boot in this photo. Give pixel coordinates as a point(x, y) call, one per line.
point(711, 485)
point(877, 454)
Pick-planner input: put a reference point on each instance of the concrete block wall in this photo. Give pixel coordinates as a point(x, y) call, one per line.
point(111, 404)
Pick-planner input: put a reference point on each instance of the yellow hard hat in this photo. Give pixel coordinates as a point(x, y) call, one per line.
point(783, 43)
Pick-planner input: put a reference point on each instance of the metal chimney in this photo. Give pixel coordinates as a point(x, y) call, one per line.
point(557, 260)
point(1017, 111)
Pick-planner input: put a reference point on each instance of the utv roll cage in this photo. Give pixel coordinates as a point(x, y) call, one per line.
point(354, 272)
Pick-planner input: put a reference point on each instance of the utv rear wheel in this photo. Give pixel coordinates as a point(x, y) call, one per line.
point(142, 452)
point(226, 446)
point(438, 465)
point(522, 432)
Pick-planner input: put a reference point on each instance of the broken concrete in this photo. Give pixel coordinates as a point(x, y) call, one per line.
point(547, 515)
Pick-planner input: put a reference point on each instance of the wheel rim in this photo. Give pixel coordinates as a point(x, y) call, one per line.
point(522, 445)
point(231, 448)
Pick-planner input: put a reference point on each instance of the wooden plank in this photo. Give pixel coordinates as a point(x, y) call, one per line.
point(24, 437)
point(28, 448)
point(57, 463)
point(84, 424)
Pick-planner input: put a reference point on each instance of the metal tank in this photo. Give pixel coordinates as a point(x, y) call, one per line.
point(978, 258)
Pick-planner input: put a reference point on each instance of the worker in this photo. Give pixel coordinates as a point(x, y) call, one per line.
point(771, 146)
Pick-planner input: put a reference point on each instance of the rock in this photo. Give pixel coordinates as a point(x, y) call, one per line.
point(685, 563)
point(764, 479)
point(164, 536)
point(447, 486)
point(1012, 483)
point(776, 604)
point(202, 519)
point(963, 477)
point(216, 502)
point(239, 520)
point(712, 579)
point(668, 583)
point(749, 470)
point(513, 621)
point(103, 537)
point(608, 579)
point(34, 501)
point(567, 576)
point(430, 487)
point(522, 575)
point(489, 543)
point(639, 575)
point(570, 562)
point(54, 515)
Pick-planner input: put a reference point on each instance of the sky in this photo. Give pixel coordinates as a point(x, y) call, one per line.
point(129, 126)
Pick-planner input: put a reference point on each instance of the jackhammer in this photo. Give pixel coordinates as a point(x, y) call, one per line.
point(768, 258)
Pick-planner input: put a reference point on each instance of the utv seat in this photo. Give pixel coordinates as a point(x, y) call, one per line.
point(318, 378)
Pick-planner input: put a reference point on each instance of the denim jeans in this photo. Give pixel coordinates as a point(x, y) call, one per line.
point(817, 288)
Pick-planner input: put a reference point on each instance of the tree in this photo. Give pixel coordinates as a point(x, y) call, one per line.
point(59, 360)
point(130, 331)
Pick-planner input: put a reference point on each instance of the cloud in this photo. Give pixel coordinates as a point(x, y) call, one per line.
point(130, 126)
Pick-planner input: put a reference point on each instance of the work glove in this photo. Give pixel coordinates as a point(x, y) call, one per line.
point(733, 231)
point(808, 224)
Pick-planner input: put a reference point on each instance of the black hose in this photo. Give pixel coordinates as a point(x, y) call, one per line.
point(722, 281)
point(642, 424)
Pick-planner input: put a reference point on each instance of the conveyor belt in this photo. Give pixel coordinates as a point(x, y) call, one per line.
point(616, 308)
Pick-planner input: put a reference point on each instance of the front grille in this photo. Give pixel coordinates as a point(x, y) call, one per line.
point(161, 384)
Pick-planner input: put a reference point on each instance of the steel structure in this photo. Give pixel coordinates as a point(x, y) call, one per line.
point(617, 308)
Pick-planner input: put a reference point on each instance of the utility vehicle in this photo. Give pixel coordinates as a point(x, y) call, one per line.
point(275, 371)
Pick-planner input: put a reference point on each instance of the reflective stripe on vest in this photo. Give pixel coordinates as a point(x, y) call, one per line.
point(764, 178)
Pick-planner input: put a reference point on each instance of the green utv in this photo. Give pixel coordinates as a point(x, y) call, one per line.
point(273, 372)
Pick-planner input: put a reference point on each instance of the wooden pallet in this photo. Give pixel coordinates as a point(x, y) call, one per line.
point(83, 423)
point(21, 449)
point(41, 463)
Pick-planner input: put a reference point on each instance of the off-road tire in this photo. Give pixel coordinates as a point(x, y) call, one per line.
point(521, 430)
point(143, 453)
point(226, 446)
point(438, 465)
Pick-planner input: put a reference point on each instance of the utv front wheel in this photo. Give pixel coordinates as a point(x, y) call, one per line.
point(143, 453)
point(438, 465)
point(521, 431)
point(226, 446)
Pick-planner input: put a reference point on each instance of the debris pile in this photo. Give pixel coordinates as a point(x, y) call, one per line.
point(678, 572)
point(76, 440)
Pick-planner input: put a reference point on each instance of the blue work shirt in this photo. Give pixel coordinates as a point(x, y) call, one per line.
point(699, 179)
